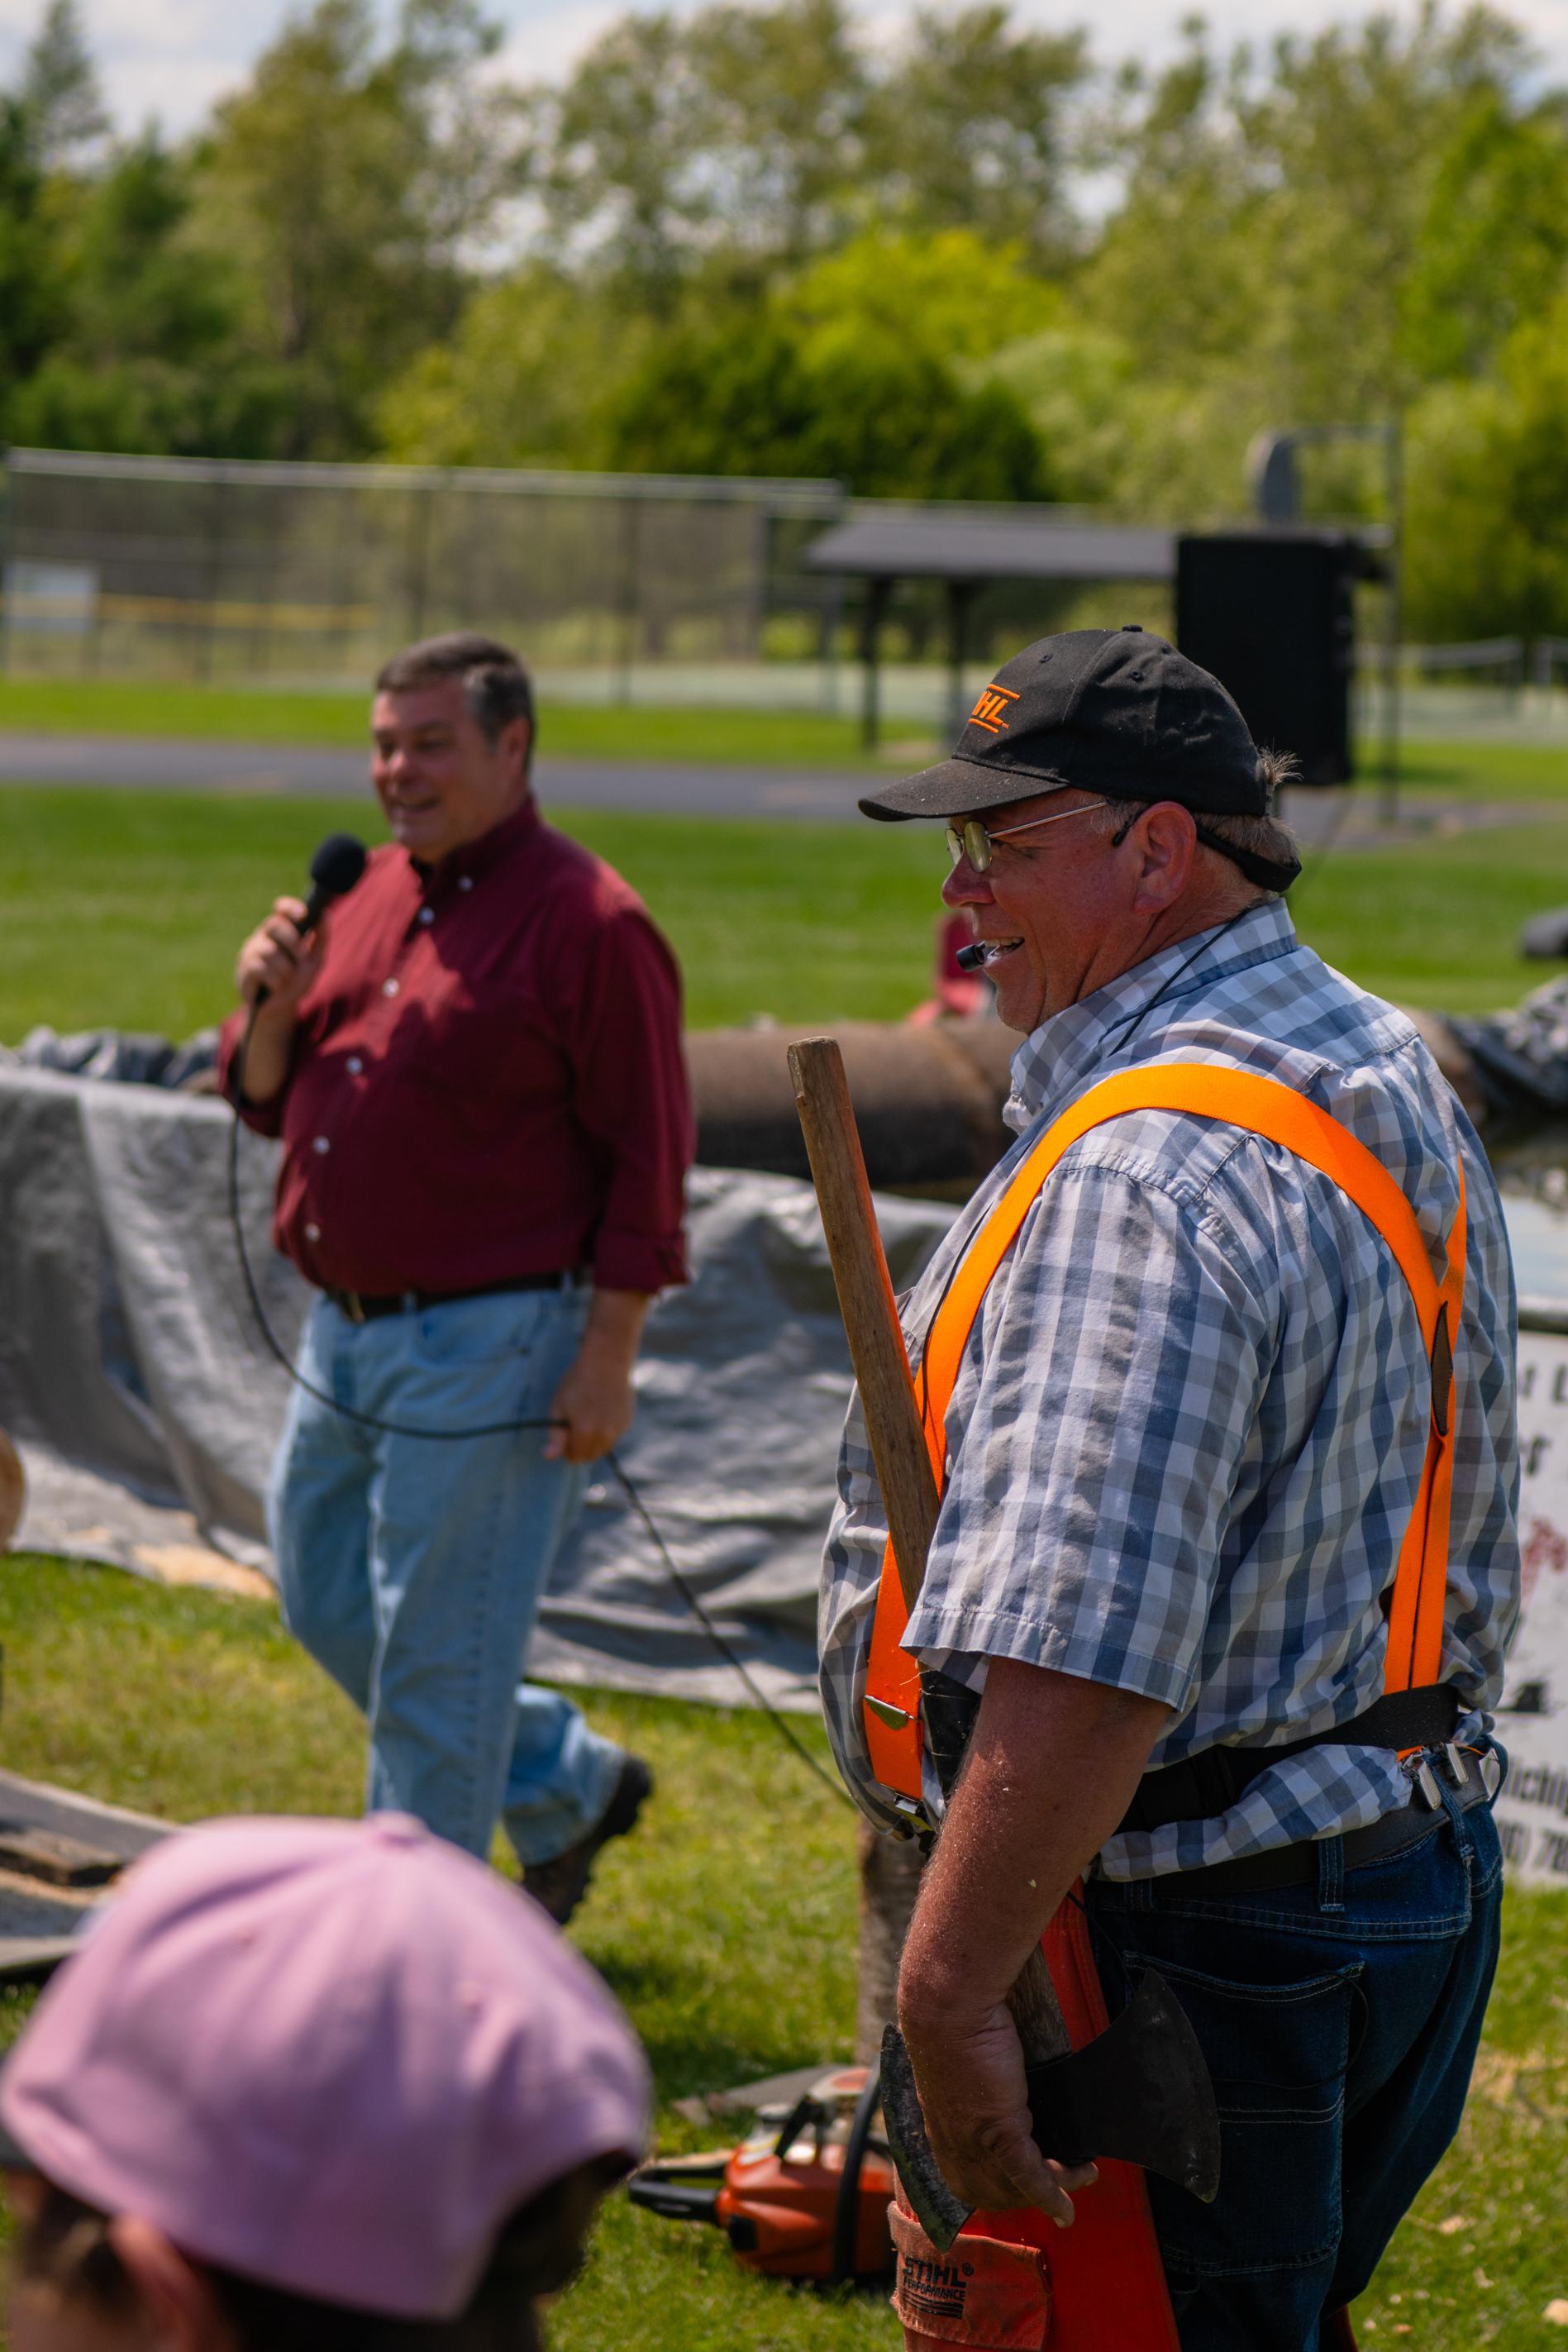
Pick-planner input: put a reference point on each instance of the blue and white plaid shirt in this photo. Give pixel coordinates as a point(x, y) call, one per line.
point(1188, 1428)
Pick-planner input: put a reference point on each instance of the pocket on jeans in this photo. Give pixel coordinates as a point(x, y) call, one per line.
point(494, 1329)
point(1278, 2054)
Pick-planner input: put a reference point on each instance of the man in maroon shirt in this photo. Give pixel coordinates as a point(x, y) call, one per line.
point(473, 1062)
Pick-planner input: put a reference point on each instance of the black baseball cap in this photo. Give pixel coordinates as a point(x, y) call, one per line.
point(1112, 710)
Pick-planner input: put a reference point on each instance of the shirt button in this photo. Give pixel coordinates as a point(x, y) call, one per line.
point(465, 881)
point(427, 914)
point(354, 1066)
point(312, 1233)
point(389, 988)
point(321, 1144)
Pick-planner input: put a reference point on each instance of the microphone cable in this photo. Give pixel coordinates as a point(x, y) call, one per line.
point(686, 1590)
point(274, 1345)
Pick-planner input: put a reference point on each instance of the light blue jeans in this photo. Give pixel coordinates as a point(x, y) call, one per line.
point(412, 1567)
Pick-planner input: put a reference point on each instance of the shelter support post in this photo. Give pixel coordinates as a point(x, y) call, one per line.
point(960, 601)
point(874, 612)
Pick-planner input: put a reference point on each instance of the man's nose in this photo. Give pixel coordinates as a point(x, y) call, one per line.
point(964, 888)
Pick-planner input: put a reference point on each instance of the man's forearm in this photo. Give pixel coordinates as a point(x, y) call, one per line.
point(614, 1327)
point(593, 1404)
point(1051, 1769)
point(269, 1056)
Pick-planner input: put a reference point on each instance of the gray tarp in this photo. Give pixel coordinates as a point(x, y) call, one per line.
point(146, 1406)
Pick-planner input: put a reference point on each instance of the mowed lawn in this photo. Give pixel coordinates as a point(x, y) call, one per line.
point(125, 908)
point(726, 1927)
point(574, 730)
point(729, 1927)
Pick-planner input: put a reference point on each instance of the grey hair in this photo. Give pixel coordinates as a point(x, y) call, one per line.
point(496, 684)
point(1263, 836)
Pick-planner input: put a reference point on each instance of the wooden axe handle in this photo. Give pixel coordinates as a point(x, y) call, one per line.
point(897, 1442)
point(865, 1300)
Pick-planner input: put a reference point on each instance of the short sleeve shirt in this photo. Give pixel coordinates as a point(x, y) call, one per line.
point(1190, 1422)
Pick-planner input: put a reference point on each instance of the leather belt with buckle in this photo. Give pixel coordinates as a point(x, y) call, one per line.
point(361, 1308)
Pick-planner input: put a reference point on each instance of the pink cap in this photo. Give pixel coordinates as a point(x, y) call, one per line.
point(333, 2056)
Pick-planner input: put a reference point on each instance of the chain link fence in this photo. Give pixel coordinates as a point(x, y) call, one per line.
point(310, 574)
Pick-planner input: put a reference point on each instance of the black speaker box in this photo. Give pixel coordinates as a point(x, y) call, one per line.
point(1272, 614)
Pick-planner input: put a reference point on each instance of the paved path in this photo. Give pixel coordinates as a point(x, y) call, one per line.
point(697, 788)
point(662, 787)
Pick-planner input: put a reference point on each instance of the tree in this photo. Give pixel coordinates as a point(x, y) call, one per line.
point(347, 179)
point(32, 313)
point(786, 90)
point(953, 292)
point(1271, 218)
point(60, 93)
point(1487, 536)
point(776, 130)
point(970, 130)
point(1490, 250)
point(739, 127)
point(524, 380)
point(148, 355)
point(747, 397)
point(615, 157)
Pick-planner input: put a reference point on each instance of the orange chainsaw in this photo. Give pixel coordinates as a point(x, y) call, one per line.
point(805, 2199)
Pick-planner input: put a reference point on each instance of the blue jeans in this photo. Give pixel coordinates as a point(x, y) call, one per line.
point(412, 1567)
point(1340, 2022)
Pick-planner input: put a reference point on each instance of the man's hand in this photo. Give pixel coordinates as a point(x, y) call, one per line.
point(1049, 1771)
point(595, 1399)
point(970, 2078)
point(276, 956)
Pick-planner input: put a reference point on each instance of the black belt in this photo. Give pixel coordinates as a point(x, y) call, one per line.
point(359, 1308)
point(1297, 1866)
point(1201, 1786)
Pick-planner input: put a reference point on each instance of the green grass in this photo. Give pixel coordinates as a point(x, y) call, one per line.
point(582, 730)
point(1506, 771)
point(765, 738)
point(733, 1952)
point(127, 908)
point(726, 1927)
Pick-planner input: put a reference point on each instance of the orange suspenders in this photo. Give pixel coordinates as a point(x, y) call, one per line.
point(1263, 1106)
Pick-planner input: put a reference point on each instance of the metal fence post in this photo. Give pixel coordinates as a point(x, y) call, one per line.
point(631, 549)
point(7, 549)
point(419, 566)
point(208, 644)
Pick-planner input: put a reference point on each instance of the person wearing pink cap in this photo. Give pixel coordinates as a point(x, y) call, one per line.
point(312, 2085)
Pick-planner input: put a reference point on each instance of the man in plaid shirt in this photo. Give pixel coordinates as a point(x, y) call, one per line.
point(1184, 1445)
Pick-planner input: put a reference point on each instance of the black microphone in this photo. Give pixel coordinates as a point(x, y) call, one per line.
point(335, 868)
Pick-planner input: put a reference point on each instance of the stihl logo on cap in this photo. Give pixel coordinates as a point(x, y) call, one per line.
point(991, 710)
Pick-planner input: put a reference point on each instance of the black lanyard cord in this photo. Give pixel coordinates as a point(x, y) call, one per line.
point(725, 1650)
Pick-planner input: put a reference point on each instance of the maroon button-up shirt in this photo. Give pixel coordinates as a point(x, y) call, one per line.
point(487, 1078)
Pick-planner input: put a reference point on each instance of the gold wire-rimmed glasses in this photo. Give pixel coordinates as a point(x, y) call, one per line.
point(972, 841)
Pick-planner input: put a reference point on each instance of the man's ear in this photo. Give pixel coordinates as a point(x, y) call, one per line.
point(515, 740)
point(184, 2313)
point(1167, 840)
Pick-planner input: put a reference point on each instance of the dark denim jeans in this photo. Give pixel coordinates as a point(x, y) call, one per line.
point(1340, 2022)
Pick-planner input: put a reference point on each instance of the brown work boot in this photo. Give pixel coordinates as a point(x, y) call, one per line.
point(562, 1882)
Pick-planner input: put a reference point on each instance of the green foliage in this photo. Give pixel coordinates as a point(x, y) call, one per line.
point(524, 380)
point(1489, 506)
point(777, 129)
point(146, 360)
point(771, 235)
point(889, 419)
point(59, 88)
point(345, 178)
point(31, 308)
